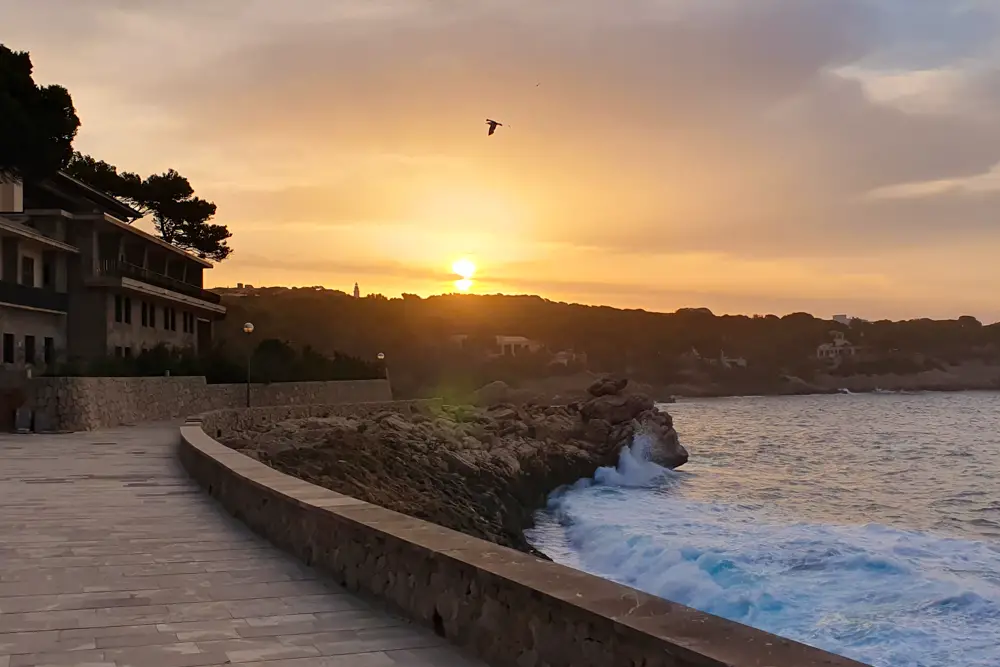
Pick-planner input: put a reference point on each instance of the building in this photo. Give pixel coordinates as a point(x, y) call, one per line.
point(357, 291)
point(459, 340)
point(567, 357)
point(847, 320)
point(731, 362)
point(78, 281)
point(513, 345)
point(839, 348)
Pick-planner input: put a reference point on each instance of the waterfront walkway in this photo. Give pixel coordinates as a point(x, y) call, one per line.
point(111, 557)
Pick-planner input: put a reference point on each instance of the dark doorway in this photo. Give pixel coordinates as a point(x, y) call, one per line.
point(28, 271)
point(204, 339)
point(29, 349)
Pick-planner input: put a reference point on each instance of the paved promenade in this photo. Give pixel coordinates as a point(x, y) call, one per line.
point(111, 557)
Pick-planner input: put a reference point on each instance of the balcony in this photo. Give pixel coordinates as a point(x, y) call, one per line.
point(33, 297)
point(121, 269)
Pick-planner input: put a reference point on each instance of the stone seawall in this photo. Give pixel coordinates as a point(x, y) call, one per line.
point(510, 608)
point(88, 403)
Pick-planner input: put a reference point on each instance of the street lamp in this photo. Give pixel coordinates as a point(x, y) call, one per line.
point(385, 368)
point(248, 329)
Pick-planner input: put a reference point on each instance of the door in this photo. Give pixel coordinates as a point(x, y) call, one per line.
point(204, 336)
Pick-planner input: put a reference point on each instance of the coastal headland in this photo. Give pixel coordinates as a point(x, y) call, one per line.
point(482, 470)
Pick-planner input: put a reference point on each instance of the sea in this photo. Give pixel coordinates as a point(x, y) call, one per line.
point(864, 524)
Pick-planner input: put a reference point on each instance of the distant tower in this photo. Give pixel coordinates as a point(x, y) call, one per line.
point(357, 291)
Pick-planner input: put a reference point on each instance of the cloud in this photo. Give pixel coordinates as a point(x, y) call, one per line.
point(756, 130)
point(382, 269)
point(714, 126)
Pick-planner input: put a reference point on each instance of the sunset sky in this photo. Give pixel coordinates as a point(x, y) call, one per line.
point(754, 156)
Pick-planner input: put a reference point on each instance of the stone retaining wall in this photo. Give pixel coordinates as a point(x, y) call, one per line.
point(88, 403)
point(510, 608)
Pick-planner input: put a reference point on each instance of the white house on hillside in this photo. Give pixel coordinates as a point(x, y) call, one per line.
point(514, 345)
point(837, 349)
point(847, 320)
point(731, 362)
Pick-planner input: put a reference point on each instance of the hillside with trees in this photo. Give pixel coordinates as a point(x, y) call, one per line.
point(447, 345)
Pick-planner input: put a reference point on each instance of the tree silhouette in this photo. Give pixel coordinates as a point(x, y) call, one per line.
point(440, 343)
point(178, 216)
point(38, 122)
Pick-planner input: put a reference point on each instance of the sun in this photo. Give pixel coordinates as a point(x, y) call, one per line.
point(465, 268)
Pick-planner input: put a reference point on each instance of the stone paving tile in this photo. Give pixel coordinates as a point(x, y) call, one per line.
point(45, 641)
point(298, 624)
point(111, 557)
point(377, 659)
point(437, 656)
point(364, 640)
point(63, 658)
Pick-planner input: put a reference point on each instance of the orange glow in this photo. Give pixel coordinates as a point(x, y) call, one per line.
point(659, 197)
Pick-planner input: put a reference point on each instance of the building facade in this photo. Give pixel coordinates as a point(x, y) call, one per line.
point(511, 346)
point(838, 348)
point(79, 282)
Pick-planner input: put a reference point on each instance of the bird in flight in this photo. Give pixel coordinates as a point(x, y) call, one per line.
point(493, 126)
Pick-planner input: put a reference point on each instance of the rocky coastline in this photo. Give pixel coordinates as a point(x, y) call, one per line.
point(482, 470)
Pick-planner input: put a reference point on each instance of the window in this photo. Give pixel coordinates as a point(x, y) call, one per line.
point(145, 314)
point(118, 351)
point(128, 352)
point(8, 348)
point(118, 308)
point(28, 271)
point(49, 350)
point(29, 349)
point(46, 274)
point(152, 315)
point(188, 323)
point(128, 310)
point(170, 319)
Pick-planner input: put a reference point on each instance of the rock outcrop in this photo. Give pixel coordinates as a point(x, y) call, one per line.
point(480, 470)
point(607, 387)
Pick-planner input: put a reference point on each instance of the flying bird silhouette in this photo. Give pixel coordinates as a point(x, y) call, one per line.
point(493, 126)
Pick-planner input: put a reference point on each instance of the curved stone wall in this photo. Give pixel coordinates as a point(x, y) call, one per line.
point(510, 608)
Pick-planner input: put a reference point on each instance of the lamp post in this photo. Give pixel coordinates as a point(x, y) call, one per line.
point(248, 329)
point(385, 369)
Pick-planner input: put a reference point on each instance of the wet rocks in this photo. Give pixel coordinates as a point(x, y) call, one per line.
point(607, 387)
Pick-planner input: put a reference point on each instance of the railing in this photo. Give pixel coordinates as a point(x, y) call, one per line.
point(33, 297)
point(122, 269)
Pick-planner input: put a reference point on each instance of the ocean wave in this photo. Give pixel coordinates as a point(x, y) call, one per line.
point(885, 596)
